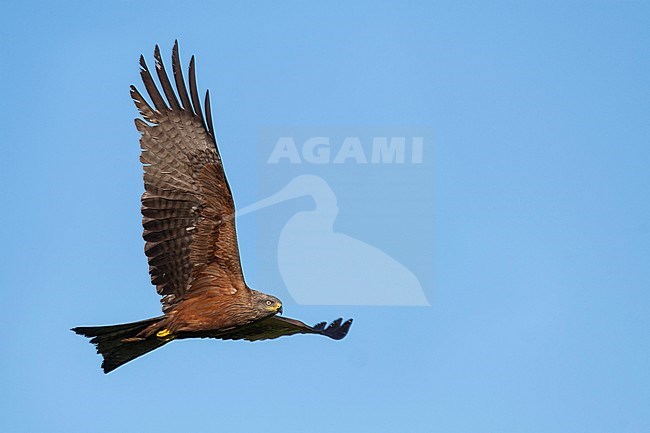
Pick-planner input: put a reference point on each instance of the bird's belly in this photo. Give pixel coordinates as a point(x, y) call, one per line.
point(209, 317)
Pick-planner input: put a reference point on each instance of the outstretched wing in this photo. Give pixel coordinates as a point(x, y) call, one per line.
point(278, 326)
point(187, 207)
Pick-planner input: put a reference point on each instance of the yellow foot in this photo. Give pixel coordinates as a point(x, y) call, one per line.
point(164, 333)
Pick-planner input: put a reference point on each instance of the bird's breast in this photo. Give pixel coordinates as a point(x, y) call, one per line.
point(211, 313)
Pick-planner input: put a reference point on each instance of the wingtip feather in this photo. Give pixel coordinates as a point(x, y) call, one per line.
point(196, 101)
point(178, 78)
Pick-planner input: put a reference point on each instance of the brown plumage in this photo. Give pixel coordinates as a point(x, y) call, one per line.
point(189, 232)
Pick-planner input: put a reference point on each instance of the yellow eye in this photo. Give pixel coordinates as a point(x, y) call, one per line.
point(269, 303)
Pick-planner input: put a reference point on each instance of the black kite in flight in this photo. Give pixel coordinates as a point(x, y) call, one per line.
point(189, 229)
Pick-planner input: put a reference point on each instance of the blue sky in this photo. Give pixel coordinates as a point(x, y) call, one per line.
point(535, 259)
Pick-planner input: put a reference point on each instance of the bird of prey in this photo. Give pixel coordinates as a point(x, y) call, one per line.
point(189, 231)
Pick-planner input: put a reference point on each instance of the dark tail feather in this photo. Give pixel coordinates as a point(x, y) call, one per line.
point(111, 344)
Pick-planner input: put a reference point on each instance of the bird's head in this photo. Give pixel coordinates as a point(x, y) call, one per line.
point(268, 303)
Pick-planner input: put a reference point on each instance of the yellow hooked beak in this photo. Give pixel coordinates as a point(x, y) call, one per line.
point(278, 308)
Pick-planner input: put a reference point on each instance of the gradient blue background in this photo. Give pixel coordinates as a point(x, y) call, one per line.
point(540, 317)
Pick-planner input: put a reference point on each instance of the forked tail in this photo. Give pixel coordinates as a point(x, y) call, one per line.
point(118, 344)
